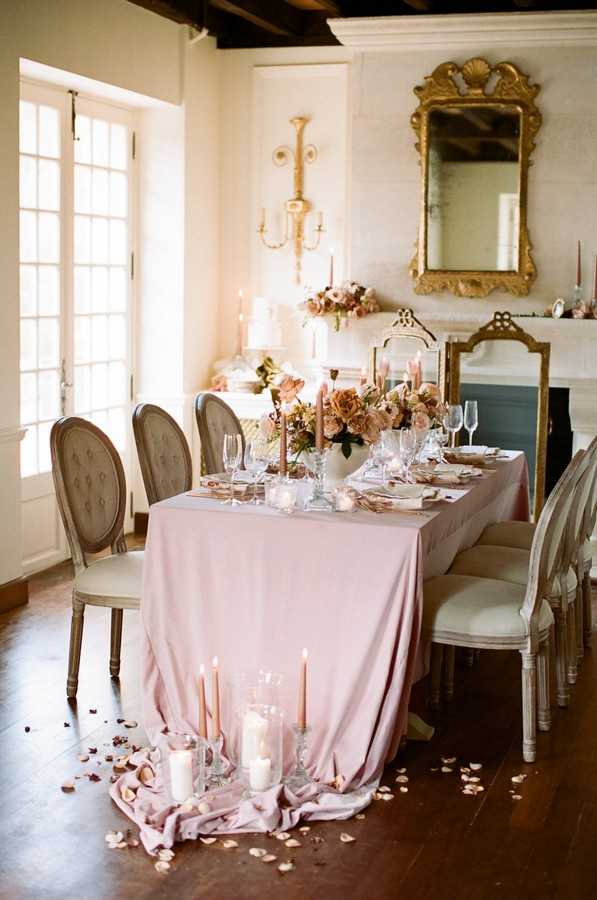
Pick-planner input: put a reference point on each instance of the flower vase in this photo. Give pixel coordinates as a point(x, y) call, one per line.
point(338, 467)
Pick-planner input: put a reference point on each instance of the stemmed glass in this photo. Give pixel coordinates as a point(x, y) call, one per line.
point(232, 453)
point(453, 420)
point(440, 439)
point(408, 450)
point(256, 461)
point(386, 450)
point(471, 419)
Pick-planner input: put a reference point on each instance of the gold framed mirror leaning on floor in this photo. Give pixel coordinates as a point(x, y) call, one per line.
point(407, 351)
point(507, 366)
point(475, 127)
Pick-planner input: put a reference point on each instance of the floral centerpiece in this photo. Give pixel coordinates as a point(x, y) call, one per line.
point(350, 301)
point(420, 409)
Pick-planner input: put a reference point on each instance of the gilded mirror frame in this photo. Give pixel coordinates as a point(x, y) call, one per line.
point(406, 325)
point(451, 85)
point(502, 328)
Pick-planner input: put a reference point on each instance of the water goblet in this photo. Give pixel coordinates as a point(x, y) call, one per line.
point(256, 461)
point(231, 456)
point(387, 451)
point(453, 421)
point(408, 450)
point(471, 419)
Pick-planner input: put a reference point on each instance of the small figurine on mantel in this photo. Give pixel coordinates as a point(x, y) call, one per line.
point(578, 308)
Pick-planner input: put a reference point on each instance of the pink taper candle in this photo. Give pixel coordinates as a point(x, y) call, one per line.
point(363, 380)
point(202, 708)
point(578, 266)
point(319, 420)
point(283, 445)
point(331, 268)
point(595, 281)
point(215, 699)
point(301, 718)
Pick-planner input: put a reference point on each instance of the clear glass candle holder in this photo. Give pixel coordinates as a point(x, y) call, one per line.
point(260, 734)
point(184, 769)
point(281, 494)
point(343, 499)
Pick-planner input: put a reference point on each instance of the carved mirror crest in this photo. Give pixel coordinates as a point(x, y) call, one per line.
point(475, 128)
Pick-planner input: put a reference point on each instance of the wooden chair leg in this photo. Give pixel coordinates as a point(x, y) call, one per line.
point(449, 654)
point(74, 653)
point(544, 709)
point(437, 656)
point(469, 657)
point(579, 625)
point(572, 666)
point(587, 611)
point(115, 642)
point(561, 645)
point(529, 705)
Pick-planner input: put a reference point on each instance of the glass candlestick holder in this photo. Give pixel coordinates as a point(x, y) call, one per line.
point(201, 781)
point(215, 772)
point(317, 464)
point(299, 778)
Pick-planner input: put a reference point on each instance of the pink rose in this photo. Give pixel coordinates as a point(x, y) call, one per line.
point(431, 390)
point(421, 421)
point(331, 426)
point(289, 387)
point(267, 427)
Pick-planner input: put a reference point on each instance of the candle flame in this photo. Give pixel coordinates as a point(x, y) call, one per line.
point(240, 293)
point(215, 662)
point(305, 654)
point(405, 377)
point(331, 251)
point(201, 670)
point(241, 317)
point(418, 354)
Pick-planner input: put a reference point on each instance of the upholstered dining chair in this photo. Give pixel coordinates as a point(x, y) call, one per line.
point(163, 453)
point(486, 613)
point(91, 494)
point(214, 420)
point(510, 564)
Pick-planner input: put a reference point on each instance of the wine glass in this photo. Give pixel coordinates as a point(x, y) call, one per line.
point(471, 419)
point(232, 453)
point(453, 421)
point(408, 450)
point(256, 461)
point(386, 451)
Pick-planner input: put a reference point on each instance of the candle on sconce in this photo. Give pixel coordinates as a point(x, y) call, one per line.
point(301, 718)
point(283, 445)
point(202, 707)
point(578, 266)
point(319, 418)
point(331, 267)
point(595, 281)
point(320, 221)
point(262, 223)
point(215, 699)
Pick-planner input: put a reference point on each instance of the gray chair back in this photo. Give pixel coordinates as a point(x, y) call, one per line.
point(163, 452)
point(214, 420)
point(90, 488)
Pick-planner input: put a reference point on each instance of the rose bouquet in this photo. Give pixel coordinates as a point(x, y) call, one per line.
point(350, 301)
point(420, 409)
point(349, 418)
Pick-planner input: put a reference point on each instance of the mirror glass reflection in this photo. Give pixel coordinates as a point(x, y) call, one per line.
point(473, 188)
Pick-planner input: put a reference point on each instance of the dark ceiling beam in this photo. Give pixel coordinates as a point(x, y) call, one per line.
point(182, 11)
point(419, 5)
point(270, 15)
point(330, 7)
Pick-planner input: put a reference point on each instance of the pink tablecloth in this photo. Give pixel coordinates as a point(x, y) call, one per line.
point(253, 587)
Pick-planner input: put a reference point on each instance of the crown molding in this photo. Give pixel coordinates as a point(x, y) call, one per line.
point(522, 29)
point(12, 435)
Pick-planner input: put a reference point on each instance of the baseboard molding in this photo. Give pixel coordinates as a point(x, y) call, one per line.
point(14, 593)
point(141, 522)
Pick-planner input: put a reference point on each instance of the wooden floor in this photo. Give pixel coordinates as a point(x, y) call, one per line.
point(429, 842)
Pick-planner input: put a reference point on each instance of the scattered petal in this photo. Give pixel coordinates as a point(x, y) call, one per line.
point(465, 777)
point(113, 837)
point(83, 757)
point(132, 842)
point(166, 855)
point(474, 779)
point(162, 866)
point(67, 724)
point(360, 816)
point(347, 838)
point(204, 808)
point(145, 775)
point(384, 789)
point(27, 729)
point(93, 777)
point(92, 750)
point(229, 844)
point(282, 836)
point(268, 858)
point(108, 757)
point(518, 779)
point(130, 723)
point(465, 770)
point(208, 840)
point(127, 794)
point(93, 712)
point(338, 782)
point(286, 867)
point(259, 852)
point(292, 842)
point(305, 829)
point(403, 790)
point(517, 796)
point(432, 769)
point(402, 779)
point(67, 786)
point(448, 760)
point(401, 771)
point(476, 766)
point(387, 796)
point(119, 721)
point(446, 769)
point(316, 839)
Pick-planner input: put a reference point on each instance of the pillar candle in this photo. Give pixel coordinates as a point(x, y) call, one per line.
point(260, 773)
point(253, 733)
point(215, 699)
point(181, 775)
point(202, 708)
point(301, 718)
point(578, 266)
point(319, 420)
point(331, 267)
point(283, 445)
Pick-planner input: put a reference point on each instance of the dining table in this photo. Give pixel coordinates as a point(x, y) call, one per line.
point(254, 586)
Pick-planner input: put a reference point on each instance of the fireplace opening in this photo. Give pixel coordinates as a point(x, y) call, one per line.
point(508, 419)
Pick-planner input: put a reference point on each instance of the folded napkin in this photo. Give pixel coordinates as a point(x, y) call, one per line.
point(220, 490)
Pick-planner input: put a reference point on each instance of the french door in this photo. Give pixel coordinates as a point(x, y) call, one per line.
point(76, 289)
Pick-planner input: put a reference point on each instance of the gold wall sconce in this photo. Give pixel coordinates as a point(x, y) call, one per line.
point(297, 208)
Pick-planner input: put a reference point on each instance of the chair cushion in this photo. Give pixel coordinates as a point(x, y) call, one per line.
point(509, 534)
point(118, 576)
point(505, 564)
point(460, 605)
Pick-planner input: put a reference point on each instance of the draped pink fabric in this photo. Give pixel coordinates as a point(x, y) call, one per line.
point(253, 587)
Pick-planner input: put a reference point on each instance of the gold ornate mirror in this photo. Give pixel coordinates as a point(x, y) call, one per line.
point(402, 341)
point(475, 127)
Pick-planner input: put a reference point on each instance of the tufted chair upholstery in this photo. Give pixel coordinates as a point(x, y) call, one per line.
point(91, 496)
point(214, 420)
point(163, 453)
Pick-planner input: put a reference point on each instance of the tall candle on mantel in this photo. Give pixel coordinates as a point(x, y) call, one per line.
point(363, 379)
point(301, 718)
point(215, 699)
point(202, 707)
point(239, 341)
point(283, 445)
point(319, 419)
point(595, 282)
point(419, 369)
point(578, 266)
point(331, 267)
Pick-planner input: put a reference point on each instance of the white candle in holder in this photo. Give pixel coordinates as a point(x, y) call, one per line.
point(260, 773)
point(181, 775)
point(286, 497)
point(254, 732)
